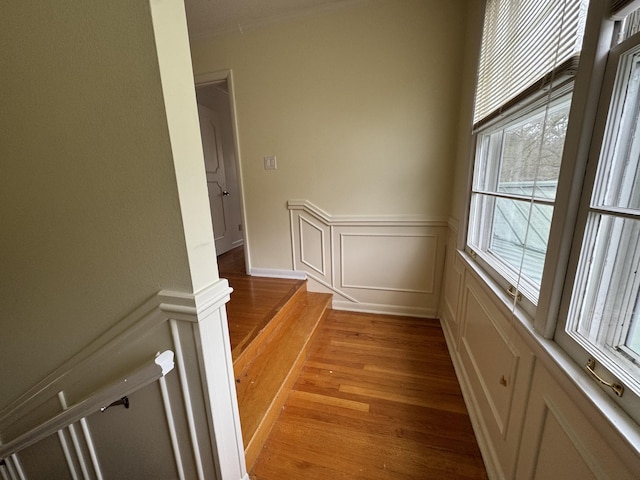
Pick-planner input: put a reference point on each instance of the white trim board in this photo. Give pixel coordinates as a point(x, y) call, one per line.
point(482, 436)
point(277, 273)
point(371, 220)
point(384, 309)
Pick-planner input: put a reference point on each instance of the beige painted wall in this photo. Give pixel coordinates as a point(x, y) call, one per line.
point(473, 40)
point(359, 105)
point(90, 218)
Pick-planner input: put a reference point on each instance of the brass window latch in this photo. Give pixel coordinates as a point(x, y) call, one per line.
point(513, 293)
point(617, 387)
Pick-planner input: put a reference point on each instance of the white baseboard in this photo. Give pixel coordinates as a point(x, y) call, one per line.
point(276, 273)
point(481, 434)
point(384, 309)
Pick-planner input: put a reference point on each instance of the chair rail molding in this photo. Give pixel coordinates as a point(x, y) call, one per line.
point(388, 264)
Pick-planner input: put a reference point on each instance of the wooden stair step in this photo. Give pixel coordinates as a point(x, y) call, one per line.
point(254, 302)
point(251, 346)
point(266, 374)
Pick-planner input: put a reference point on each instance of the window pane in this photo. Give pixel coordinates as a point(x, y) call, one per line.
point(618, 182)
point(530, 163)
point(488, 154)
point(633, 337)
point(481, 214)
point(514, 187)
point(605, 306)
point(520, 234)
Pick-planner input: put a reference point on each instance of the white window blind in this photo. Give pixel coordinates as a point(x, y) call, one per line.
point(621, 8)
point(523, 41)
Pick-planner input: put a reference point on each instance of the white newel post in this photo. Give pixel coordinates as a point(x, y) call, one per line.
point(210, 293)
point(219, 381)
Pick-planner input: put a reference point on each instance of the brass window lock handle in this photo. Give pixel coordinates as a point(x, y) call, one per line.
point(618, 388)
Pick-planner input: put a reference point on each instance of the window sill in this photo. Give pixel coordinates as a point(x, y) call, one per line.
point(505, 303)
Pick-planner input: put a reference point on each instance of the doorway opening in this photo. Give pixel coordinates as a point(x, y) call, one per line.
point(214, 95)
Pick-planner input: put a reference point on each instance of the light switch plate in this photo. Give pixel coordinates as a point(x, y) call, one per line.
point(270, 163)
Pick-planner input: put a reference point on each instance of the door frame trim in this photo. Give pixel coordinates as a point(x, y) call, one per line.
point(211, 78)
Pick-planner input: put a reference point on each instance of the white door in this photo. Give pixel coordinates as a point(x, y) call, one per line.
point(216, 180)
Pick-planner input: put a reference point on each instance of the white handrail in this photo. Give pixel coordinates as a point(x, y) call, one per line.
point(161, 365)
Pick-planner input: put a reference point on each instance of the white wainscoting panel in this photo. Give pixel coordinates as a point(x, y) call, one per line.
point(536, 414)
point(452, 286)
point(183, 424)
point(389, 264)
point(497, 367)
point(313, 246)
point(561, 441)
point(403, 263)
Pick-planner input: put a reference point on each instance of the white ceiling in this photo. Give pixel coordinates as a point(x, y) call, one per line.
point(206, 17)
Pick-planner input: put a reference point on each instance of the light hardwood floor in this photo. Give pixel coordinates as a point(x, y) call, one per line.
point(232, 262)
point(377, 399)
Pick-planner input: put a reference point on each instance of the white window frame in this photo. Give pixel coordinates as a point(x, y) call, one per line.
point(569, 218)
point(609, 361)
point(480, 225)
point(520, 97)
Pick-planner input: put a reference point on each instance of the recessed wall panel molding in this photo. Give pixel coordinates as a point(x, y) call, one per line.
point(498, 367)
point(403, 262)
point(312, 245)
point(561, 440)
point(452, 282)
point(380, 264)
point(157, 405)
point(536, 414)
